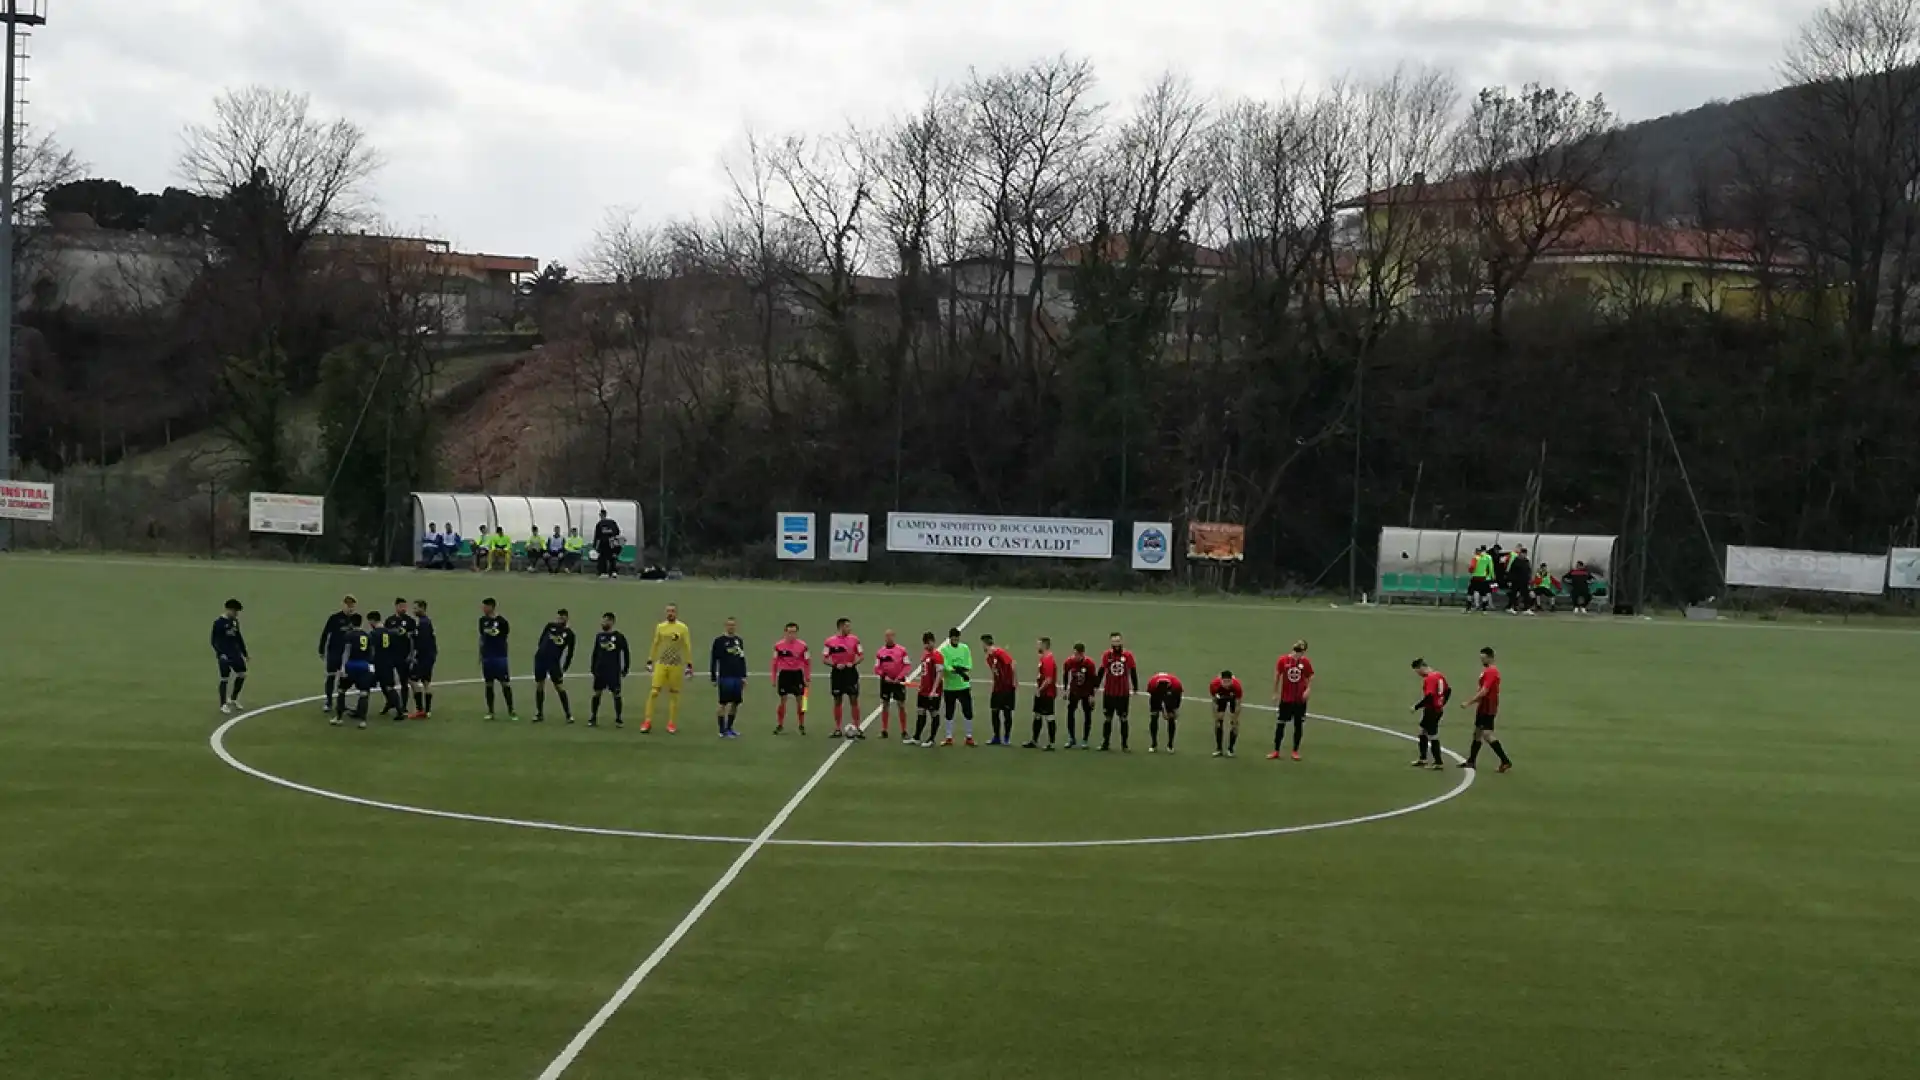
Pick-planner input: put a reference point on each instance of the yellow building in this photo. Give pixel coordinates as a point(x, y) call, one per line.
point(1620, 263)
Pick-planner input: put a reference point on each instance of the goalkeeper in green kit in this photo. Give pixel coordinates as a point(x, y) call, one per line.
point(956, 660)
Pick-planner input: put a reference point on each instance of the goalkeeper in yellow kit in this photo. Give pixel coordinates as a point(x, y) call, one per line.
point(671, 661)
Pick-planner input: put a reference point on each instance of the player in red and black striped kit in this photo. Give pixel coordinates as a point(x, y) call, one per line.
point(1046, 693)
point(1005, 696)
point(1435, 692)
point(1082, 675)
point(1119, 682)
point(1486, 706)
point(1163, 702)
point(1226, 693)
point(1292, 687)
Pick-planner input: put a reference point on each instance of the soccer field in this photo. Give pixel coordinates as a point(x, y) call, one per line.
point(1704, 863)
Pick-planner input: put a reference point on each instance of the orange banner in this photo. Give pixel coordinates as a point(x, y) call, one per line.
point(1216, 540)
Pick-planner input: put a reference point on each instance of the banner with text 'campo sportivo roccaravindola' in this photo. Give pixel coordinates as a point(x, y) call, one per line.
point(975, 534)
point(1807, 571)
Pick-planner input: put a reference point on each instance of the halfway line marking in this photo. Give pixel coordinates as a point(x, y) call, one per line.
point(579, 1042)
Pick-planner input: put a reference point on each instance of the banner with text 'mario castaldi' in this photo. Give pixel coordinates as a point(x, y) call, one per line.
point(977, 534)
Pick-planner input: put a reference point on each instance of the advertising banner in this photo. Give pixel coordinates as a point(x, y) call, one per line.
point(795, 532)
point(1153, 545)
point(974, 534)
point(1903, 568)
point(24, 500)
point(1808, 571)
point(1216, 540)
point(847, 541)
point(277, 512)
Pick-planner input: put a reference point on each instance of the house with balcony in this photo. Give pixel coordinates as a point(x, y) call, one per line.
point(986, 289)
point(1591, 248)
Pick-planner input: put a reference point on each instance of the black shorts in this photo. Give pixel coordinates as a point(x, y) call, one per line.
point(1115, 704)
point(423, 668)
point(791, 683)
point(1085, 703)
point(606, 682)
point(1226, 704)
point(929, 702)
point(732, 689)
point(893, 690)
point(1430, 721)
point(1003, 700)
point(1043, 705)
point(1483, 721)
point(1164, 701)
point(547, 667)
point(1292, 710)
point(336, 661)
point(386, 674)
point(359, 676)
point(961, 700)
point(844, 681)
point(1480, 586)
point(231, 665)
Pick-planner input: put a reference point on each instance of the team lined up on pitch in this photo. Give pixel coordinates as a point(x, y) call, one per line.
point(396, 656)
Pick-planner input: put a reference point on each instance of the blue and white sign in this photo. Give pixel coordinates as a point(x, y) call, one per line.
point(1153, 545)
point(796, 535)
point(848, 540)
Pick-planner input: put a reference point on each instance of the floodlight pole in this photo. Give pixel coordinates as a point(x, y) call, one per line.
point(14, 18)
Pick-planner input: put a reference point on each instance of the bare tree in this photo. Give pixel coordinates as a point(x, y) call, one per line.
point(1032, 128)
point(280, 176)
point(317, 169)
point(917, 168)
point(40, 165)
point(1850, 137)
point(1536, 166)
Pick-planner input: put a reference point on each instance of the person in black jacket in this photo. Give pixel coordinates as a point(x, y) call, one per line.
point(606, 545)
point(1519, 583)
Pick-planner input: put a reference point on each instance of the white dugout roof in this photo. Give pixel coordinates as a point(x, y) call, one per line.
point(520, 515)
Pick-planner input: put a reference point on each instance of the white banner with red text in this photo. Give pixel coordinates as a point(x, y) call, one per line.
point(978, 534)
point(279, 512)
point(24, 500)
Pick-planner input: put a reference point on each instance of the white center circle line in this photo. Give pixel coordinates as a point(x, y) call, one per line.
point(217, 741)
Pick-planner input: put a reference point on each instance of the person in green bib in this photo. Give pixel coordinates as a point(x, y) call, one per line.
point(573, 551)
point(956, 663)
point(1480, 581)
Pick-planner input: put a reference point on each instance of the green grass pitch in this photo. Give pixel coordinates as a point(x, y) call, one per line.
point(1704, 865)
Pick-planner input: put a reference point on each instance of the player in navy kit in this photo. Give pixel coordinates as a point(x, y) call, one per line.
point(494, 667)
point(333, 645)
point(230, 650)
point(727, 667)
point(610, 663)
point(356, 671)
point(426, 653)
point(396, 664)
point(552, 656)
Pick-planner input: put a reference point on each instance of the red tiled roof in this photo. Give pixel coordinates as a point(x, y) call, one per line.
point(1615, 234)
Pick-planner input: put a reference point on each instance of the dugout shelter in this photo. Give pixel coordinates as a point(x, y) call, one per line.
point(519, 515)
point(1433, 564)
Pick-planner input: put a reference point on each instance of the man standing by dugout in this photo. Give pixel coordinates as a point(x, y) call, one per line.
point(606, 545)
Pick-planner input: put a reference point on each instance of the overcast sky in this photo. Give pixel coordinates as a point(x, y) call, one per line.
point(510, 127)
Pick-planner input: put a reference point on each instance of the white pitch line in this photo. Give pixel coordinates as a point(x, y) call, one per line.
point(579, 1042)
point(218, 742)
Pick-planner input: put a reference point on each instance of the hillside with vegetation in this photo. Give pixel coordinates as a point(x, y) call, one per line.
point(1216, 332)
